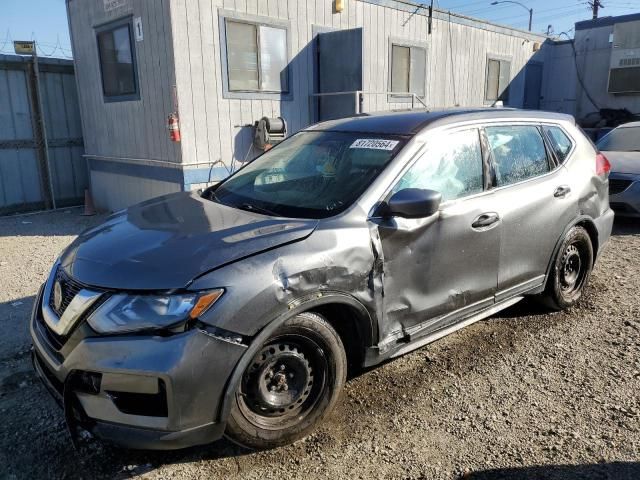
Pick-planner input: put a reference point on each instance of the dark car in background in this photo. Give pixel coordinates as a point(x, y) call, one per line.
point(622, 147)
point(240, 310)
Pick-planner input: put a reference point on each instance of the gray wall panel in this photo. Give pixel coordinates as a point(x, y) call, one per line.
point(21, 169)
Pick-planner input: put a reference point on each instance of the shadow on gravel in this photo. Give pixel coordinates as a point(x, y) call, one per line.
point(626, 226)
point(57, 223)
point(107, 461)
point(524, 308)
point(615, 470)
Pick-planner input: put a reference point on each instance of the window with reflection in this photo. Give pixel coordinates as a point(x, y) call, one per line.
point(452, 165)
point(518, 152)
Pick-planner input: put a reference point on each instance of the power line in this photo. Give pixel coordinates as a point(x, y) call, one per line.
point(538, 17)
point(575, 60)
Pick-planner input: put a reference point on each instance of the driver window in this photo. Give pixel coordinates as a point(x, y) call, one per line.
point(452, 165)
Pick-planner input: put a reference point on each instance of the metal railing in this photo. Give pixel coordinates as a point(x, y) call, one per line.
point(358, 95)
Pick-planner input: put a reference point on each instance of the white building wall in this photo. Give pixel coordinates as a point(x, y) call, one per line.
point(214, 129)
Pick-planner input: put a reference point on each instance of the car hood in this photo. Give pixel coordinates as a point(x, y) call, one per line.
point(166, 242)
point(624, 162)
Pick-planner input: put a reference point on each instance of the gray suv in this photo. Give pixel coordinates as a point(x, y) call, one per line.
point(241, 310)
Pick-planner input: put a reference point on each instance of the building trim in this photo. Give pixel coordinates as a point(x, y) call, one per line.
point(184, 175)
point(606, 21)
point(444, 15)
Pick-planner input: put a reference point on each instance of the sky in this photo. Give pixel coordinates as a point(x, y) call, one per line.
point(561, 14)
point(46, 20)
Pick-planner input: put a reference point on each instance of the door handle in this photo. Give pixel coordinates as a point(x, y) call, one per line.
point(562, 191)
point(485, 220)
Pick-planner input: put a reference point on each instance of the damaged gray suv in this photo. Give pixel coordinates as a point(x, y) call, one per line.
point(240, 310)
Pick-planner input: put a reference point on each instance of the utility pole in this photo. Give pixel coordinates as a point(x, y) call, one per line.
point(595, 5)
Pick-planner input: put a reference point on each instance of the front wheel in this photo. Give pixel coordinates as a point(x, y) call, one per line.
point(291, 384)
point(570, 270)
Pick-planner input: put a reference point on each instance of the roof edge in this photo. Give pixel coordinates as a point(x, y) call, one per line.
point(416, 8)
point(606, 21)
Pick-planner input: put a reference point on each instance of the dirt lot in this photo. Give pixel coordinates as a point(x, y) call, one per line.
point(526, 394)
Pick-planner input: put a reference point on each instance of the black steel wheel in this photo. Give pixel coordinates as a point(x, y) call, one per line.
point(291, 384)
point(570, 271)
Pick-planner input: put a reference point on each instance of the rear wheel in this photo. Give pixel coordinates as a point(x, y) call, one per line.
point(570, 270)
point(291, 384)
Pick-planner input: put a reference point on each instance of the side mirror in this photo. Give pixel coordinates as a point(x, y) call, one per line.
point(413, 203)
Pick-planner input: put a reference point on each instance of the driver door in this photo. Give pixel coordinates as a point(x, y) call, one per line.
point(444, 267)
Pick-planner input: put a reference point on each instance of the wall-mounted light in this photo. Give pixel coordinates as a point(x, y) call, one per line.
point(338, 6)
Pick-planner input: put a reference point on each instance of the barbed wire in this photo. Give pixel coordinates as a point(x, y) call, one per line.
point(44, 49)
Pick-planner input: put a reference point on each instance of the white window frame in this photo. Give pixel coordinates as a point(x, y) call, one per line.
point(401, 42)
point(506, 92)
point(223, 16)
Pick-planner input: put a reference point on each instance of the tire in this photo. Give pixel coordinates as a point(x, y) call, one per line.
point(570, 271)
point(291, 385)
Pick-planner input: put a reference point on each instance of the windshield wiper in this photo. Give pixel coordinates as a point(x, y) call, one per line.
point(211, 196)
point(249, 207)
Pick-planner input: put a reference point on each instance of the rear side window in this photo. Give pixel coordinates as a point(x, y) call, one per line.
point(560, 142)
point(451, 166)
point(621, 139)
point(519, 153)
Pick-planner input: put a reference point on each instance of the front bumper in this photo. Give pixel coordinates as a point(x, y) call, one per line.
point(138, 391)
point(627, 202)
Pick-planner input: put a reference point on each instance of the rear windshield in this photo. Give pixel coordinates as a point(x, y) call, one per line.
point(625, 139)
point(310, 175)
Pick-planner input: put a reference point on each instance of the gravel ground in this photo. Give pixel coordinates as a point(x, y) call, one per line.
point(525, 394)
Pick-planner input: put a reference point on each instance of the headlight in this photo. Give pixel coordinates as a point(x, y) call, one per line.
point(128, 313)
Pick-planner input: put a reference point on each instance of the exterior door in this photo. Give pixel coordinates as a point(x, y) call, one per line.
point(533, 209)
point(440, 268)
point(532, 85)
point(339, 69)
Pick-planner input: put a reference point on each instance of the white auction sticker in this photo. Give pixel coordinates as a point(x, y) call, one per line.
point(375, 143)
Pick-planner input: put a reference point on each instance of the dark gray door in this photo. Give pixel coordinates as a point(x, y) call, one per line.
point(533, 212)
point(339, 69)
point(532, 85)
point(444, 267)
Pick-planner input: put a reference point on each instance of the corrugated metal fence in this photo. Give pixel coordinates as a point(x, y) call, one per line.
point(32, 176)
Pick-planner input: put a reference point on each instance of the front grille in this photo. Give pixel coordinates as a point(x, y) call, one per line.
point(144, 404)
point(70, 289)
point(43, 368)
point(54, 342)
point(618, 186)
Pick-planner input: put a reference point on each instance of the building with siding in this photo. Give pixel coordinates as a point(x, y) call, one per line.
point(598, 69)
point(223, 64)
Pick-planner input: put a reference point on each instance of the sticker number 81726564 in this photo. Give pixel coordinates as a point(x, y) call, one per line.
point(375, 143)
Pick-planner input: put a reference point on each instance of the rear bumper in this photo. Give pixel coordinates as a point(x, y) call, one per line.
point(627, 202)
point(139, 391)
point(604, 225)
